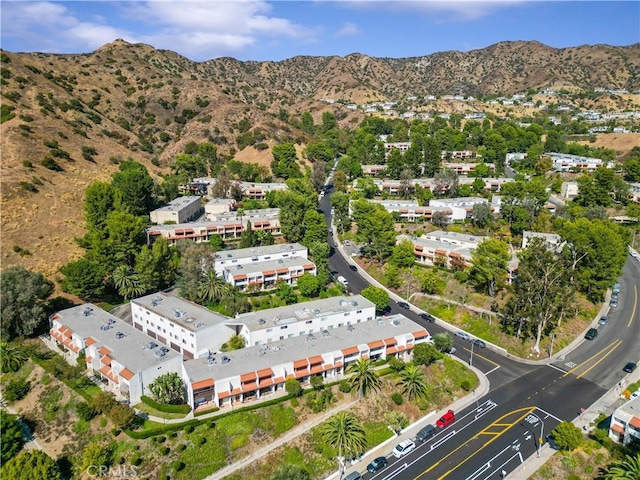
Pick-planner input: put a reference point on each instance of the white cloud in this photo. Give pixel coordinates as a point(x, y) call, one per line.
point(51, 27)
point(348, 29)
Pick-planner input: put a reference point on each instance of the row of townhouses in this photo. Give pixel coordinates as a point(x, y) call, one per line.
point(252, 190)
point(393, 187)
point(455, 209)
point(461, 168)
point(625, 422)
point(171, 334)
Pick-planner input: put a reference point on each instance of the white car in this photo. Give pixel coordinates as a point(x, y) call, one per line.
point(403, 448)
point(463, 335)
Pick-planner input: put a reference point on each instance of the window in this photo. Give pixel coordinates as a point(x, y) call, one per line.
point(182, 330)
point(290, 335)
point(152, 324)
point(269, 330)
point(308, 322)
point(148, 312)
point(359, 311)
point(340, 324)
point(184, 341)
point(192, 345)
point(191, 335)
point(161, 320)
point(346, 314)
point(164, 331)
point(171, 325)
point(147, 322)
point(268, 258)
point(284, 327)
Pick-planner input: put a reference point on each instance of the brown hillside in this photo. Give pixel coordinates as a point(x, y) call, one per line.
point(134, 101)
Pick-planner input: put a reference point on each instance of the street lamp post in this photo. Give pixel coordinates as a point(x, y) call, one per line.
point(541, 433)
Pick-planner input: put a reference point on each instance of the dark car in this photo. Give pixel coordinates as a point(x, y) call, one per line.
point(377, 464)
point(479, 343)
point(591, 334)
point(404, 305)
point(426, 433)
point(353, 267)
point(446, 420)
point(629, 367)
point(353, 476)
point(428, 317)
point(551, 440)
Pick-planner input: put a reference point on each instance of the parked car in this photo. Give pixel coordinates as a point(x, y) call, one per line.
point(403, 448)
point(591, 334)
point(551, 440)
point(428, 317)
point(404, 305)
point(377, 464)
point(426, 433)
point(353, 267)
point(479, 343)
point(603, 320)
point(353, 476)
point(616, 288)
point(614, 302)
point(463, 335)
point(347, 243)
point(629, 367)
point(446, 420)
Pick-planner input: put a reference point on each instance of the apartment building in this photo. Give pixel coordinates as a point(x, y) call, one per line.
point(625, 422)
point(563, 162)
point(443, 248)
point(264, 275)
point(394, 186)
point(179, 210)
point(461, 207)
point(268, 326)
point(411, 211)
point(634, 192)
point(402, 146)
point(258, 191)
point(462, 168)
point(246, 256)
point(458, 154)
point(373, 170)
point(186, 327)
point(125, 359)
point(216, 206)
point(569, 190)
point(223, 380)
point(552, 240)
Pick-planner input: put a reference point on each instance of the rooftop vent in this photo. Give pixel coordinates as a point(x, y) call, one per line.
point(262, 321)
point(120, 335)
point(354, 303)
point(104, 327)
point(178, 313)
point(198, 324)
point(159, 353)
point(396, 322)
point(189, 320)
point(87, 311)
point(280, 260)
point(225, 359)
point(350, 328)
point(316, 310)
point(151, 345)
point(325, 333)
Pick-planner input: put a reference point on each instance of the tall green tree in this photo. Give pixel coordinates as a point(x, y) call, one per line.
point(284, 164)
point(195, 261)
point(157, 266)
point(11, 441)
point(413, 382)
point(363, 377)
point(168, 388)
point(134, 187)
point(293, 207)
point(31, 465)
point(543, 292)
point(345, 434)
point(98, 203)
point(249, 237)
point(489, 265)
point(379, 296)
point(402, 255)
point(84, 278)
point(568, 437)
point(212, 287)
point(340, 205)
point(127, 282)
point(23, 294)
point(308, 285)
point(425, 354)
point(375, 228)
point(315, 228)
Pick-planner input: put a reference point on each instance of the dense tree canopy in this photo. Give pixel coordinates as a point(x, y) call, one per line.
point(31, 465)
point(22, 294)
point(489, 265)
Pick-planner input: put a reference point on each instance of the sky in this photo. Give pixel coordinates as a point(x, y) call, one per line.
point(276, 30)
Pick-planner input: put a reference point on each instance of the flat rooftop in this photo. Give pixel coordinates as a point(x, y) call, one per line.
point(257, 267)
point(188, 315)
point(632, 407)
point(302, 311)
point(131, 350)
point(256, 358)
point(243, 253)
point(441, 236)
point(178, 203)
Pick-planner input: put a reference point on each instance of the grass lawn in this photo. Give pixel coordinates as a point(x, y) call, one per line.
point(143, 407)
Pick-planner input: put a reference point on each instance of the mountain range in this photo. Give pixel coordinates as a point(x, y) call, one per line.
point(87, 112)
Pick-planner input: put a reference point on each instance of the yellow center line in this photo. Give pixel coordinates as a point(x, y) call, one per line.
point(603, 357)
point(589, 359)
point(635, 303)
point(527, 411)
point(482, 357)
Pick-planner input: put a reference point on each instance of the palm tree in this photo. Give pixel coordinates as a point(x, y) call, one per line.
point(413, 381)
point(127, 282)
point(364, 378)
point(627, 469)
point(11, 357)
point(212, 287)
point(168, 388)
point(347, 436)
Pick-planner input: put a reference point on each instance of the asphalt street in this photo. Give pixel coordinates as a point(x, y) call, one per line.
point(526, 399)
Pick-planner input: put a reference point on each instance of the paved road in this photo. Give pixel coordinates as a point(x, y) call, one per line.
point(526, 400)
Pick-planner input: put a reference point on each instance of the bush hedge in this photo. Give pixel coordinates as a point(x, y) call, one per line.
point(165, 408)
point(152, 432)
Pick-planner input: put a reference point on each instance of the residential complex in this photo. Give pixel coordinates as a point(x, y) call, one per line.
point(170, 334)
point(265, 275)
point(393, 187)
point(444, 248)
point(625, 422)
point(179, 210)
point(246, 256)
point(455, 209)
